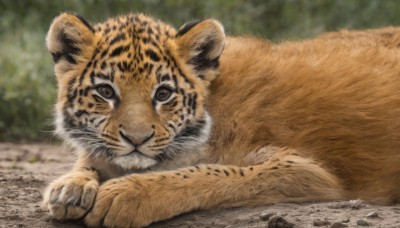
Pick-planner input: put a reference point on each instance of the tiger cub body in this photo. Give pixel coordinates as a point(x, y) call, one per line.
point(167, 121)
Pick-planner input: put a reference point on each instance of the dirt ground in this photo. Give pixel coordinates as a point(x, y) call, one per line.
point(25, 170)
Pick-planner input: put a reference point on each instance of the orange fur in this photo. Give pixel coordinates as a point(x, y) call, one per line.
point(336, 100)
point(298, 121)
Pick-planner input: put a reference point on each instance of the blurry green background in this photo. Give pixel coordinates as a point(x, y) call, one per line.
point(27, 83)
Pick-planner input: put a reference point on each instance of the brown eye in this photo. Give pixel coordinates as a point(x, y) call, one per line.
point(106, 91)
point(163, 93)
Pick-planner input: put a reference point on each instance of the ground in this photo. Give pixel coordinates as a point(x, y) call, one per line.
point(25, 170)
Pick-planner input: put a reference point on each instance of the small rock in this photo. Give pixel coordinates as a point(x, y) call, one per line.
point(337, 205)
point(38, 210)
point(356, 204)
point(362, 223)
point(319, 222)
point(353, 204)
point(266, 215)
point(338, 225)
point(373, 214)
point(346, 220)
point(277, 221)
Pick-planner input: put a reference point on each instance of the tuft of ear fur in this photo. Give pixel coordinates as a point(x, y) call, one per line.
point(70, 40)
point(201, 43)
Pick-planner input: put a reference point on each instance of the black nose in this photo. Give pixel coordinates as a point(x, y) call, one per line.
point(136, 140)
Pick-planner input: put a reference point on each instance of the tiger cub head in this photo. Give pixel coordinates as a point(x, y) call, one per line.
point(133, 90)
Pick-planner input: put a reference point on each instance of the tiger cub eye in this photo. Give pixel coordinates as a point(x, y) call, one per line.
point(106, 91)
point(163, 93)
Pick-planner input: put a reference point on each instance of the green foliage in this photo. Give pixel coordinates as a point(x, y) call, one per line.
point(27, 83)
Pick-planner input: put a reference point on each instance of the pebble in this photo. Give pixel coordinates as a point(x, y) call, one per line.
point(266, 215)
point(353, 204)
point(319, 222)
point(373, 214)
point(39, 210)
point(337, 205)
point(362, 223)
point(356, 204)
point(346, 220)
point(277, 221)
point(338, 225)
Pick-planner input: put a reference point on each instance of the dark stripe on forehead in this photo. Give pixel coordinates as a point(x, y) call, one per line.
point(116, 51)
point(118, 38)
point(104, 53)
point(153, 56)
point(150, 69)
point(158, 74)
point(109, 77)
point(88, 65)
point(119, 50)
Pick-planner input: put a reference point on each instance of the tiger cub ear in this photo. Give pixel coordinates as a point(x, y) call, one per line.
point(201, 43)
point(70, 40)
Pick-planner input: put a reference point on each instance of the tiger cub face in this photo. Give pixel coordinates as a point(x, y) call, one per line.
point(132, 90)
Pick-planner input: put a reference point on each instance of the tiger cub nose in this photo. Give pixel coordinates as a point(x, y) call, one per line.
point(137, 139)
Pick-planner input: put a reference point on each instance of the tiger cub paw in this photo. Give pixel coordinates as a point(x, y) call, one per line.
point(71, 196)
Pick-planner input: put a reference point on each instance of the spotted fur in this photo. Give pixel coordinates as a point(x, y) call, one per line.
point(257, 123)
point(134, 55)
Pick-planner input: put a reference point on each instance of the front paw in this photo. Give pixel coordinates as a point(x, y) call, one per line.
point(120, 202)
point(71, 195)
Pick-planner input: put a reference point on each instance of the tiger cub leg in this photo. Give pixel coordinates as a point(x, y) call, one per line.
point(71, 195)
point(139, 199)
point(283, 175)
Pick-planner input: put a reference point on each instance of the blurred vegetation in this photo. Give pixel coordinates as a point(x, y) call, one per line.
point(27, 83)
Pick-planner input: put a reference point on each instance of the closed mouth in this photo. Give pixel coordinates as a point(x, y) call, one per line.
point(161, 157)
point(136, 151)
